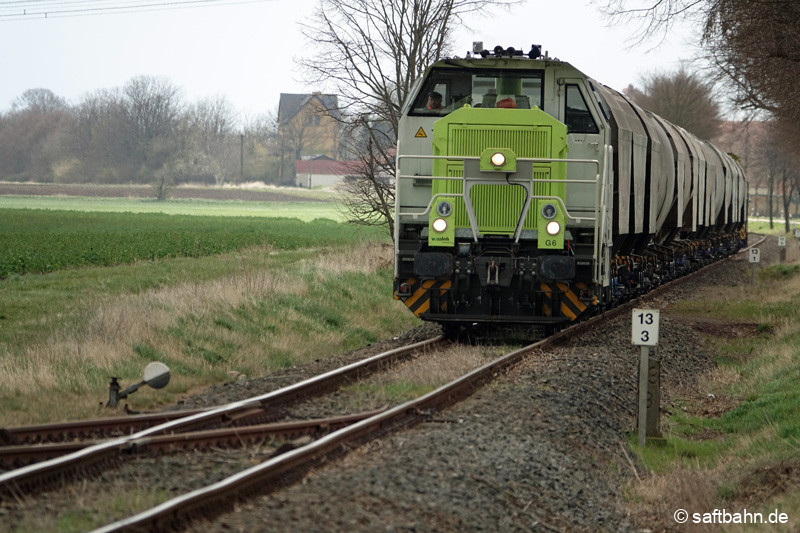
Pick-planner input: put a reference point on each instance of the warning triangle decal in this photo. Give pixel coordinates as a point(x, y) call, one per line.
point(420, 133)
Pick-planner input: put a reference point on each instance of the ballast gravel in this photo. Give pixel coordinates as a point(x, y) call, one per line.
point(544, 448)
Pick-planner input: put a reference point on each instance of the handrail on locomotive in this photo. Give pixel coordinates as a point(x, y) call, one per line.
point(598, 184)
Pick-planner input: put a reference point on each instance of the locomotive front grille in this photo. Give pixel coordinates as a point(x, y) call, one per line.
point(526, 141)
point(497, 207)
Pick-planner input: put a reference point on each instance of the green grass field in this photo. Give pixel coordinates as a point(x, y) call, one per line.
point(778, 227)
point(90, 294)
point(40, 240)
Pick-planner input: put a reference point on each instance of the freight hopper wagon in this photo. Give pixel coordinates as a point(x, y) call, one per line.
point(530, 194)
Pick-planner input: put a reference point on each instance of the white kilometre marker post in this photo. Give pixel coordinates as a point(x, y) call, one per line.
point(644, 333)
point(755, 258)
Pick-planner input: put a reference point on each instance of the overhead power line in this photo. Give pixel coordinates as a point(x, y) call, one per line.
point(12, 10)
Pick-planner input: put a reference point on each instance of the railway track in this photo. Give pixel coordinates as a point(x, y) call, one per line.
point(86, 429)
point(89, 458)
point(17, 456)
point(276, 472)
point(284, 468)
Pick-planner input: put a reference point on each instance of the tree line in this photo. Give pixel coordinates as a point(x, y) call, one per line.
point(141, 133)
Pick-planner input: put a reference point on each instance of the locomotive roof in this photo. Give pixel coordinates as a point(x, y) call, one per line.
point(521, 63)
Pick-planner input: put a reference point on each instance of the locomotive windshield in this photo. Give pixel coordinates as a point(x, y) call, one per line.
point(446, 90)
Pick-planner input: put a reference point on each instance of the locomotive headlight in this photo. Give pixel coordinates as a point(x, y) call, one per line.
point(495, 159)
point(549, 211)
point(439, 225)
point(553, 227)
point(498, 159)
point(444, 209)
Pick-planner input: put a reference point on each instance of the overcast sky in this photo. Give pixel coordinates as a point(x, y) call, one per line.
point(244, 49)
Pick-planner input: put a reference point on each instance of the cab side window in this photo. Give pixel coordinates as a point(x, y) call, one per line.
point(577, 115)
point(434, 99)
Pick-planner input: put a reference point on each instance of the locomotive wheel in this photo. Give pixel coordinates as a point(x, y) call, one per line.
point(451, 330)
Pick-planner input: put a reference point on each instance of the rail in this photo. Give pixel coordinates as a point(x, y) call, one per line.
point(18, 455)
point(15, 481)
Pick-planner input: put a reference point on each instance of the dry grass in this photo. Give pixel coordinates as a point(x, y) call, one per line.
point(71, 362)
point(365, 259)
point(789, 288)
point(753, 452)
point(421, 375)
point(441, 366)
point(655, 498)
point(112, 326)
point(780, 358)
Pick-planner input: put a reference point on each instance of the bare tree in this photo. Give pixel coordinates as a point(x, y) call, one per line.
point(782, 163)
point(154, 111)
point(747, 140)
point(752, 45)
point(682, 98)
point(371, 52)
point(656, 17)
point(101, 140)
point(39, 100)
point(262, 147)
point(296, 135)
point(153, 106)
point(211, 124)
point(32, 135)
point(367, 194)
point(139, 133)
point(757, 46)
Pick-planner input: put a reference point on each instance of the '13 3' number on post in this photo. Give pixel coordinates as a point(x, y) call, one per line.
point(644, 329)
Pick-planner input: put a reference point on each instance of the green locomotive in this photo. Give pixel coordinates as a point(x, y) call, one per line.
point(528, 193)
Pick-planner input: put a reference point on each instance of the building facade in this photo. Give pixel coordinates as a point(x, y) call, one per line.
point(308, 127)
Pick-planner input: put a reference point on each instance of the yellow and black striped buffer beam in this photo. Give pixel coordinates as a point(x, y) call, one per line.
point(420, 300)
point(571, 306)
